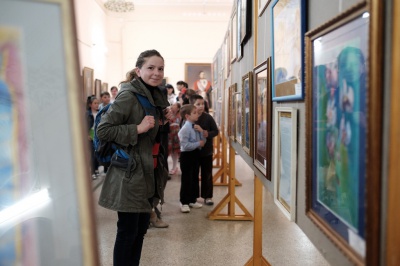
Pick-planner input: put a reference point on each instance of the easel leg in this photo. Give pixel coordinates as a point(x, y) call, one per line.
point(257, 259)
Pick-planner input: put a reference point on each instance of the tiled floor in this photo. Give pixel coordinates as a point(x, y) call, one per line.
point(193, 240)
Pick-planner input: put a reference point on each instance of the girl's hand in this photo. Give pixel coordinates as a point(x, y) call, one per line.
point(147, 123)
point(198, 128)
point(168, 113)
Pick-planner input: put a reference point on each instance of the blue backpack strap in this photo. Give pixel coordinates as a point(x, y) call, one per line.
point(147, 106)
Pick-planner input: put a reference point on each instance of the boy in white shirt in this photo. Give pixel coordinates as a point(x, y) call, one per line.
point(191, 142)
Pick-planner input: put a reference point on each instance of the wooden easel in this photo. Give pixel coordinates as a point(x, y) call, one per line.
point(224, 173)
point(217, 151)
point(257, 259)
point(230, 199)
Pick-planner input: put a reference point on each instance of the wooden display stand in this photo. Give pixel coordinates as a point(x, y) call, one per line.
point(217, 157)
point(257, 259)
point(230, 199)
point(224, 173)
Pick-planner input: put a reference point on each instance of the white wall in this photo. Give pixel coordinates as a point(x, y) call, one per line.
point(92, 43)
point(110, 43)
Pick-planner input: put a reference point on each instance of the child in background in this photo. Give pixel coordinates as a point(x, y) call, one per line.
point(191, 142)
point(104, 98)
point(208, 128)
point(92, 109)
point(173, 140)
point(114, 92)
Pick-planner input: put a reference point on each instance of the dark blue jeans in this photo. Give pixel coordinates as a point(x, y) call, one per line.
point(129, 241)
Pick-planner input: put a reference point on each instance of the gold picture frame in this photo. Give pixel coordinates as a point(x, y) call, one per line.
point(355, 232)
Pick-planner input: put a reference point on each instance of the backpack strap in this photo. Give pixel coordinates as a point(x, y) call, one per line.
point(147, 106)
point(149, 109)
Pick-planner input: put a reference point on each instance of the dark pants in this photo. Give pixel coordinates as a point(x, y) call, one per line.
point(206, 177)
point(190, 176)
point(129, 241)
point(94, 165)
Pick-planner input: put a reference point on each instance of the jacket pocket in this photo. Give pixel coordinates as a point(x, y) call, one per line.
point(123, 163)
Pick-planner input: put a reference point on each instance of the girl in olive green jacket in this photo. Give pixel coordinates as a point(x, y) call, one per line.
point(130, 191)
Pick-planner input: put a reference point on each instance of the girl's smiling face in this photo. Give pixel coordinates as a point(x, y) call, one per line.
point(152, 71)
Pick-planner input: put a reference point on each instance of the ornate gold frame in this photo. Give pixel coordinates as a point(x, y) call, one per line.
point(374, 135)
point(393, 184)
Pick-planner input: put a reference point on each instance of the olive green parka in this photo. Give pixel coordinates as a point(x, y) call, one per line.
point(133, 192)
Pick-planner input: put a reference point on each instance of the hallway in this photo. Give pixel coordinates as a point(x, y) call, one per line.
point(193, 240)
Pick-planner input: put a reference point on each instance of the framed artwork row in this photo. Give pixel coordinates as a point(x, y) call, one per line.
point(340, 196)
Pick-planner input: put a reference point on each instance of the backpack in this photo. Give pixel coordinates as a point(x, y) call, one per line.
point(104, 150)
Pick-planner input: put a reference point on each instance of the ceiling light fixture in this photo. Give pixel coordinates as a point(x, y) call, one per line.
point(119, 6)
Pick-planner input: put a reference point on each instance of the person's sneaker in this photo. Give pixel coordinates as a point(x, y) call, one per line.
point(185, 208)
point(208, 202)
point(94, 177)
point(195, 205)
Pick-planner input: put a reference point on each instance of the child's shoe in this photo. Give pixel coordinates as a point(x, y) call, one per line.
point(208, 202)
point(185, 208)
point(195, 205)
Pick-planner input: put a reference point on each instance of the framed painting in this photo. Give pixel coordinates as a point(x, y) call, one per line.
point(215, 68)
point(262, 6)
point(232, 112)
point(245, 20)
point(262, 118)
point(239, 16)
point(88, 88)
point(97, 88)
point(226, 61)
point(104, 86)
point(225, 109)
point(342, 124)
point(41, 79)
point(233, 37)
point(247, 112)
point(288, 19)
point(285, 160)
point(238, 117)
point(193, 70)
point(393, 214)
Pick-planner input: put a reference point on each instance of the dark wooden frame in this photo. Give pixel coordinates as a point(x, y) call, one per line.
point(262, 6)
point(247, 147)
point(231, 123)
point(192, 71)
point(264, 168)
point(238, 114)
point(245, 17)
point(373, 135)
point(233, 36)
